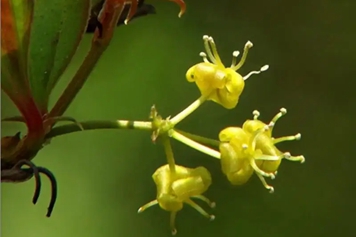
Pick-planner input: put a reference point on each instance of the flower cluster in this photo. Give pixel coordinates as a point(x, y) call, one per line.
point(242, 151)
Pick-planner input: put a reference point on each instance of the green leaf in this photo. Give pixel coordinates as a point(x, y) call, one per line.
point(57, 29)
point(16, 18)
point(15, 27)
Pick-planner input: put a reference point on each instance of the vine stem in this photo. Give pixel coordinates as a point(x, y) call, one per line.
point(195, 145)
point(99, 124)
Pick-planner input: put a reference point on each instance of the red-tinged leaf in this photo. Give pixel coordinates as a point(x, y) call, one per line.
point(16, 18)
point(182, 6)
point(57, 29)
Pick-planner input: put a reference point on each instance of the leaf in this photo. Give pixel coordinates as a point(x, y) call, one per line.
point(16, 18)
point(57, 30)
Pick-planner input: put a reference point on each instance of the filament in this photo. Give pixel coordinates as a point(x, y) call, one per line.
point(215, 52)
point(256, 114)
point(287, 138)
point(208, 50)
point(264, 68)
point(205, 199)
point(172, 222)
point(199, 209)
point(248, 45)
point(235, 54)
point(147, 205)
point(264, 183)
point(204, 56)
point(288, 156)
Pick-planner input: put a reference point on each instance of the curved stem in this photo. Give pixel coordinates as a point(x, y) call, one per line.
point(187, 111)
point(99, 124)
point(201, 139)
point(197, 146)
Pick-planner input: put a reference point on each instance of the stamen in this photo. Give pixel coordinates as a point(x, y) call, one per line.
point(204, 56)
point(172, 222)
point(256, 134)
point(215, 52)
point(287, 138)
point(282, 112)
point(269, 158)
point(235, 54)
point(199, 209)
point(256, 114)
point(259, 171)
point(288, 156)
point(147, 205)
point(205, 199)
point(248, 45)
point(270, 188)
point(208, 50)
point(264, 68)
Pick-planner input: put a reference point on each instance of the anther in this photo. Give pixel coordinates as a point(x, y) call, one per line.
point(204, 56)
point(212, 217)
point(235, 54)
point(249, 44)
point(234, 58)
point(283, 111)
point(298, 136)
point(256, 114)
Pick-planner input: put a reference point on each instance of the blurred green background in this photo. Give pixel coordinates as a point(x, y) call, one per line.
point(105, 176)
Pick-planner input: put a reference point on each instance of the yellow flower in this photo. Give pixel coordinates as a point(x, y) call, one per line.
point(252, 148)
point(266, 143)
point(174, 189)
point(239, 156)
point(218, 83)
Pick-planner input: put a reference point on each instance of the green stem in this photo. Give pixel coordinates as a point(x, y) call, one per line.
point(201, 139)
point(197, 146)
point(169, 153)
point(190, 109)
point(104, 124)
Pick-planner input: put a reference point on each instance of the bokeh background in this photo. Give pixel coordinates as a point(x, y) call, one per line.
point(105, 176)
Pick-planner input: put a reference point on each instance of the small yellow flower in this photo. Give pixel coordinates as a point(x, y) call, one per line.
point(252, 148)
point(174, 189)
point(239, 155)
point(218, 83)
point(266, 143)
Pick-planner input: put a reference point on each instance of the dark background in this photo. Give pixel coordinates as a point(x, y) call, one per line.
point(105, 176)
